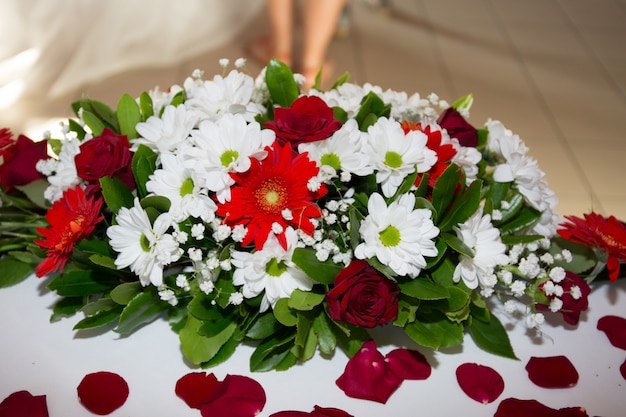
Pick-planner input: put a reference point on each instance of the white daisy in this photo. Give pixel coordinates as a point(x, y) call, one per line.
point(164, 134)
point(395, 155)
point(399, 235)
point(174, 181)
point(144, 247)
point(216, 149)
point(484, 240)
point(270, 270)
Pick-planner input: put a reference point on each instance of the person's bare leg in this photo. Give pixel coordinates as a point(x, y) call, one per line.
point(281, 17)
point(320, 22)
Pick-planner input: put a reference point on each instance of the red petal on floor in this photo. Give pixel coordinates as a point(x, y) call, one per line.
point(480, 383)
point(615, 329)
point(24, 404)
point(513, 407)
point(102, 392)
point(408, 364)
point(235, 396)
point(195, 388)
point(552, 372)
point(622, 369)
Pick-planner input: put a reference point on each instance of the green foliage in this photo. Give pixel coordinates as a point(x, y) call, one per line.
point(281, 84)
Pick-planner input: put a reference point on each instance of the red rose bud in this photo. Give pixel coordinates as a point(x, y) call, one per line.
point(309, 119)
point(363, 296)
point(458, 127)
point(19, 161)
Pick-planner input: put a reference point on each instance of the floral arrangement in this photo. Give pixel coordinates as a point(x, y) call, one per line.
point(245, 211)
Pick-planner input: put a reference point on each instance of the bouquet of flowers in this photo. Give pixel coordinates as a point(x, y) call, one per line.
point(245, 211)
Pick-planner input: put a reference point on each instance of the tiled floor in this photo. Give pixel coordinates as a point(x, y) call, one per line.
point(553, 71)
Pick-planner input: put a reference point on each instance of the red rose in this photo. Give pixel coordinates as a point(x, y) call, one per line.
point(309, 119)
point(107, 155)
point(363, 296)
point(572, 306)
point(19, 159)
point(457, 127)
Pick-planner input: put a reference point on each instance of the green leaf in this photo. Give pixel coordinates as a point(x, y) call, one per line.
point(13, 271)
point(304, 300)
point(93, 122)
point(116, 194)
point(306, 341)
point(271, 352)
point(422, 288)
point(583, 257)
point(143, 165)
point(325, 336)
point(444, 189)
point(372, 108)
point(464, 103)
point(435, 331)
point(66, 307)
point(198, 348)
point(102, 318)
point(492, 337)
point(81, 282)
point(280, 83)
point(457, 244)
point(104, 261)
point(344, 78)
point(318, 271)
point(407, 184)
point(285, 315)
point(124, 293)
point(526, 218)
point(146, 106)
point(463, 208)
point(96, 246)
point(443, 273)
point(516, 202)
point(34, 190)
point(128, 115)
point(142, 309)
point(223, 354)
point(264, 326)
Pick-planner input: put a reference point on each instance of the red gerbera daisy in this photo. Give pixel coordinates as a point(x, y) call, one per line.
point(606, 234)
point(71, 219)
point(262, 195)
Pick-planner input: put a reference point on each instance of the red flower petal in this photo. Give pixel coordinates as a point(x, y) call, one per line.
point(196, 387)
point(317, 412)
point(615, 329)
point(513, 407)
point(552, 372)
point(290, 413)
point(24, 404)
point(102, 392)
point(235, 396)
point(408, 364)
point(480, 383)
point(622, 369)
point(367, 376)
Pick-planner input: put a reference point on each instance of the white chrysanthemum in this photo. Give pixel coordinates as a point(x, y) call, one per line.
point(270, 270)
point(160, 98)
point(216, 149)
point(484, 240)
point(146, 248)
point(342, 151)
point(395, 155)
point(66, 175)
point(164, 134)
point(230, 94)
point(174, 181)
point(399, 235)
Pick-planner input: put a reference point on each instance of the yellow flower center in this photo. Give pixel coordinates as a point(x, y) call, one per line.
point(271, 196)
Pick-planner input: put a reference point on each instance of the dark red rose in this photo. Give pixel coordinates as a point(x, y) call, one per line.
point(458, 127)
point(363, 296)
point(309, 119)
point(107, 155)
point(572, 306)
point(19, 159)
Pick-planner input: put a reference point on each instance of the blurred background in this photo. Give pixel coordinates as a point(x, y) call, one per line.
point(553, 71)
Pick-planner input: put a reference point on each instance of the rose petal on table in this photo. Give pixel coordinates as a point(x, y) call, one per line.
point(480, 383)
point(290, 413)
point(408, 364)
point(24, 404)
point(235, 396)
point(102, 392)
point(552, 372)
point(367, 376)
point(317, 412)
point(622, 369)
point(513, 407)
point(196, 387)
point(615, 329)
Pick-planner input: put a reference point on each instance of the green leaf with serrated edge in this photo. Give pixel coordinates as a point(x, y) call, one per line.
point(457, 244)
point(342, 79)
point(146, 106)
point(81, 282)
point(444, 189)
point(103, 261)
point(13, 271)
point(524, 219)
point(285, 315)
point(325, 336)
point(143, 165)
point(143, 309)
point(271, 352)
point(66, 307)
point(197, 348)
point(463, 207)
point(128, 115)
point(422, 288)
point(116, 194)
point(464, 103)
point(264, 326)
point(124, 293)
point(280, 83)
point(321, 272)
point(102, 318)
point(304, 300)
point(435, 331)
point(492, 337)
point(93, 122)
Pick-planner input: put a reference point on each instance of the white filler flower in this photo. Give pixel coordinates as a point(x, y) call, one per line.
point(399, 235)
